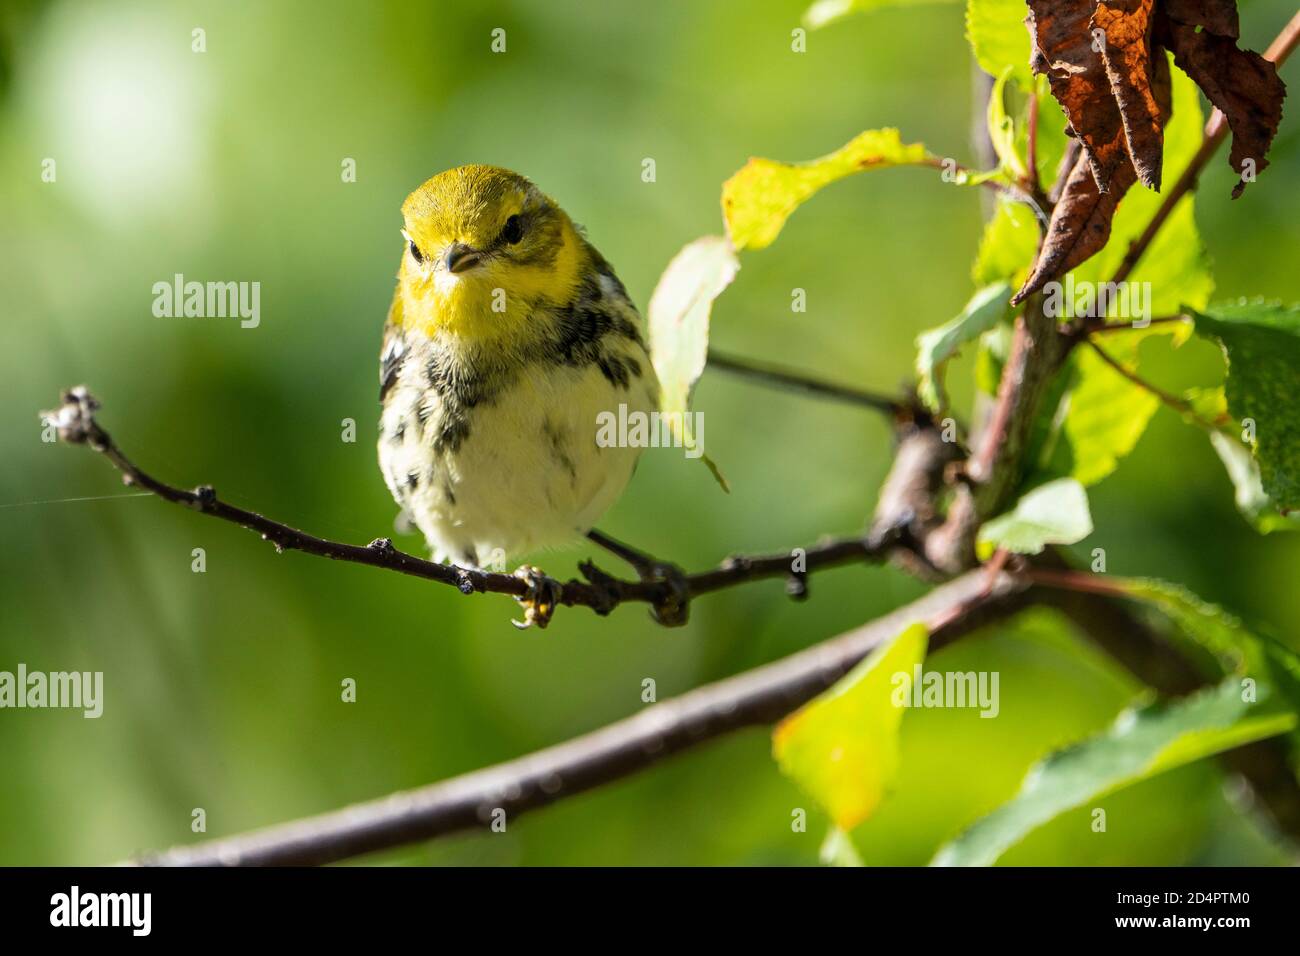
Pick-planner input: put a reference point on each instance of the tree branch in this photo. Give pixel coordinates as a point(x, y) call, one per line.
point(668, 593)
point(1181, 406)
point(755, 698)
point(799, 382)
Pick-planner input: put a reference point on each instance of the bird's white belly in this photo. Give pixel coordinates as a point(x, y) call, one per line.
point(527, 474)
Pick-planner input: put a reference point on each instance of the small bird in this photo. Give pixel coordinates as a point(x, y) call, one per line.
point(508, 335)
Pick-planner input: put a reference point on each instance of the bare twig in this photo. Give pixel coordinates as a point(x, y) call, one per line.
point(1131, 326)
point(1181, 406)
point(668, 593)
point(963, 174)
point(757, 697)
point(792, 380)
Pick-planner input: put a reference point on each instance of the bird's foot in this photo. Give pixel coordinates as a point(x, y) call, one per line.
point(672, 608)
point(540, 600)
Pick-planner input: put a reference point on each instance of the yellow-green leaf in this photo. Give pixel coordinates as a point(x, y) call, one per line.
point(758, 199)
point(998, 37)
point(1252, 500)
point(1094, 416)
point(1008, 245)
point(679, 327)
point(842, 747)
point(1261, 341)
point(936, 346)
point(1002, 131)
point(1240, 650)
point(1054, 513)
point(1142, 742)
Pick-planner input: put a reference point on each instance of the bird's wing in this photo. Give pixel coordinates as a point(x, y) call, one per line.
point(393, 351)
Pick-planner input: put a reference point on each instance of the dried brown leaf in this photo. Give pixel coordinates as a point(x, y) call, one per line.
point(1217, 16)
point(1064, 49)
point(1081, 219)
point(1241, 83)
point(1127, 57)
point(1080, 224)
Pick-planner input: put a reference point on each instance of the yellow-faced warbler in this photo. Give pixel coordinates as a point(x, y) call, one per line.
point(509, 334)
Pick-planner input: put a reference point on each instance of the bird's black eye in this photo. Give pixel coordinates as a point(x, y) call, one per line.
point(513, 230)
point(415, 253)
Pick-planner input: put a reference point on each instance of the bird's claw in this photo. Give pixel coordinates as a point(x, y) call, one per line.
point(673, 607)
point(540, 600)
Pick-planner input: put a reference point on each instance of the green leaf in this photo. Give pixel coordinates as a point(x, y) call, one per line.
point(1209, 404)
point(1149, 740)
point(679, 326)
point(1054, 513)
point(1007, 246)
point(760, 197)
point(935, 347)
point(823, 12)
point(842, 747)
point(1239, 650)
point(1261, 341)
point(997, 34)
point(1141, 743)
point(1052, 137)
point(1252, 501)
point(1002, 131)
point(1209, 409)
point(1093, 417)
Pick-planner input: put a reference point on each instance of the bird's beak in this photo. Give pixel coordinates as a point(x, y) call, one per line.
point(460, 257)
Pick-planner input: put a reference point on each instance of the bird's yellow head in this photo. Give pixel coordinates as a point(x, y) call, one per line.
point(483, 247)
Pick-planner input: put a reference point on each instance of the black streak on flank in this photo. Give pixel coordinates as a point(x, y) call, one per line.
point(558, 440)
point(581, 341)
point(614, 370)
point(465, 389)
point(413, 480)
point(388, 372)
point(453, 434)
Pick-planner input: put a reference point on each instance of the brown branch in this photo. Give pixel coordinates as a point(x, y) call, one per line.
point(1013, 192)
point(1038, 349)
point(792, 380)
point(1031, 147)
point(1181, 406)
point(755, 698)
point(668, 592)
point(1131, 326)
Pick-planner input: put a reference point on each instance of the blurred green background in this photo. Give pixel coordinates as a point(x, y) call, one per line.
point(223, 688)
